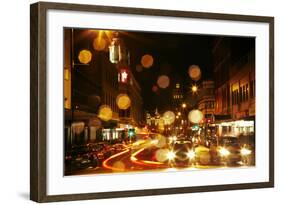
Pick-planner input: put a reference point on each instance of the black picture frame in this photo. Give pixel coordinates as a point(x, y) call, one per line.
point(38, 99)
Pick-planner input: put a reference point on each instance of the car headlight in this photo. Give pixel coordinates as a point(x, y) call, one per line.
point(190, 154)
point(244, 151)
point(224, 152)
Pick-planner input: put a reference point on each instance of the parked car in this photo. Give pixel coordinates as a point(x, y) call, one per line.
point(101, 150)
point(80, 157)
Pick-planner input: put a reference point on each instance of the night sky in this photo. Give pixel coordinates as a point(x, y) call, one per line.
point(172, 53)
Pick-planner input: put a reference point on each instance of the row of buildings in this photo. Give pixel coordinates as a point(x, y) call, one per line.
point(89, 86)
point(228, 100)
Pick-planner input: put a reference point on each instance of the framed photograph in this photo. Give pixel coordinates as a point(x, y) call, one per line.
point(135, 102)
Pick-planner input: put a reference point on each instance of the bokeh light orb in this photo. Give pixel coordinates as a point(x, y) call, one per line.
point(123, 101)
point(204, 157)
point(147, 61)
point(169, 117)
point(118, 166)
point(160, 141)
point(105, 112)
point(161, 155)
point(99, 44)
point(194, 72)
point(195, 116)
point(85, 56)
point(163, 81)
point(139, 68)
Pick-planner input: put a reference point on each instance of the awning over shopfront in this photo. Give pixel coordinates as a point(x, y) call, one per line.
point(219, 118)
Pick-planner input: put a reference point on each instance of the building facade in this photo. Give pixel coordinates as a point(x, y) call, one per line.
point(206, 102)
point(89, 86)
point(234, 71)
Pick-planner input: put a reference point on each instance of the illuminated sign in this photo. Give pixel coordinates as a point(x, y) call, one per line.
point(123, 76)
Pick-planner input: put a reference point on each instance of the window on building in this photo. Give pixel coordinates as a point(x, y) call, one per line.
point(240, 95)
point(244, 93)
point(235, 97)
point(252, 89)
point(247, 92)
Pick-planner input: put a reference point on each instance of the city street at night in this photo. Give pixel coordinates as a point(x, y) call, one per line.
point(146, 101)
point(142, 155)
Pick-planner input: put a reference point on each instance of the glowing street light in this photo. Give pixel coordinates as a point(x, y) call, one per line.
point(183, 105)
point(194, 88)
point(115, 50)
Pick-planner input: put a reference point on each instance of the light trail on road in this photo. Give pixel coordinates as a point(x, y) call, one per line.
point(135, 160)
point(105, 162)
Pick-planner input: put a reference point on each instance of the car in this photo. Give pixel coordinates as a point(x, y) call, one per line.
point(183, 149)
point(80, 157)
point(202, 155)
point(101, 150)
point(118, 147)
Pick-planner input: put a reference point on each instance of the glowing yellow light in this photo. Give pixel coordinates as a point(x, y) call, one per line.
point(147, 61)
point(106, 163)
point(119, 166)
point(244, 151)
point(224, 152)
point(160, 141)
point(105, 112)
point(171, 155)
point(179, 113)
point(195, 116)
point(163, 81)
point(194, 88)
point(99, 44)
point(194, 72)
point(191, 154)
point(161, 155)
point(85, 56)
point(183, 105)
point(169, 117)
point(153, 142)
point(123, 101)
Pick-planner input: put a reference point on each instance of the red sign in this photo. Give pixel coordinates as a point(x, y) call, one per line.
point(123, 76)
